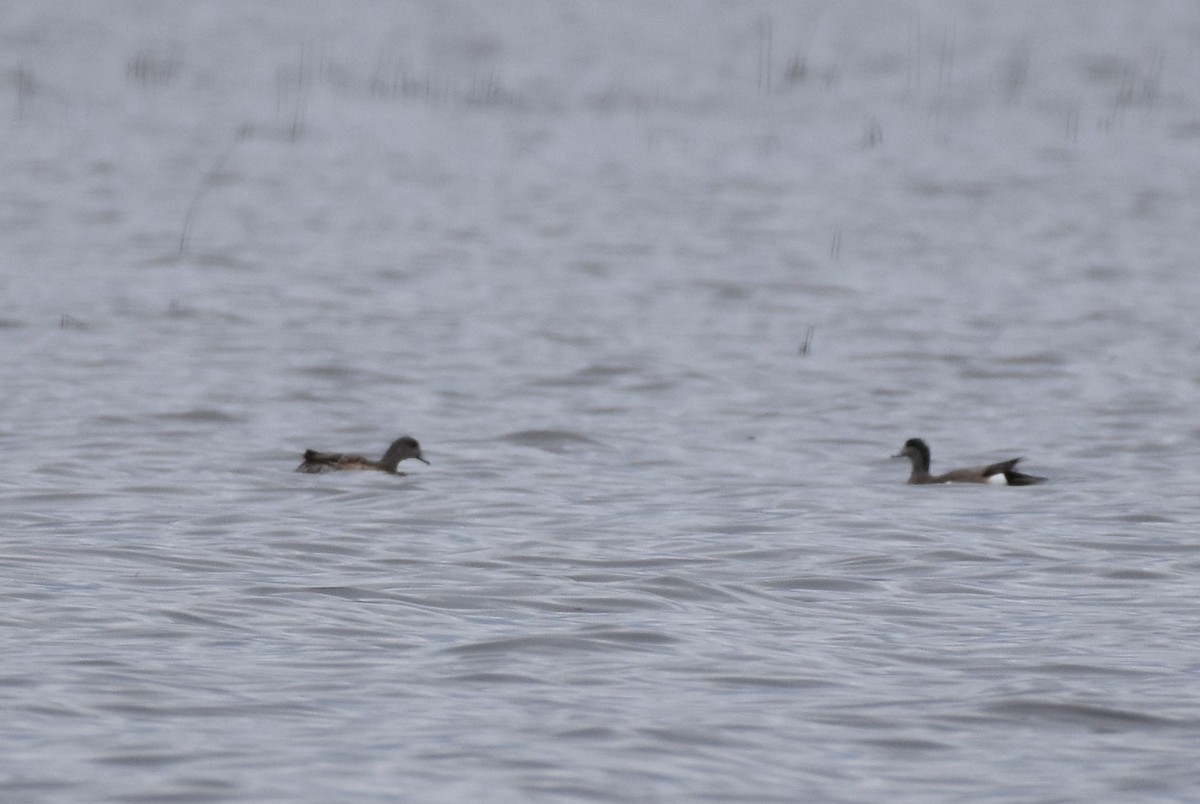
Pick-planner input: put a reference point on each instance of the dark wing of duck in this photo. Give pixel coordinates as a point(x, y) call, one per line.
point(329, 461)
point(1011, 475)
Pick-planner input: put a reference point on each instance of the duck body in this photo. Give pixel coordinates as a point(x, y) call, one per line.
point(402, 448)
point(1003, 473)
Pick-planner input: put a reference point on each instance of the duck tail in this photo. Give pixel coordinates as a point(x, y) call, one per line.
point(1016, 478)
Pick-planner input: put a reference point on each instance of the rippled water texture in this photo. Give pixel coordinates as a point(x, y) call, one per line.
point(660, 553)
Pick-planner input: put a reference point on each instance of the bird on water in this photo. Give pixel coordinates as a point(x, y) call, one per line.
point(401, 449)
point(1003, 473)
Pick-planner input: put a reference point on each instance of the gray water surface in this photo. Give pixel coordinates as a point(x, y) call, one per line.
point(574, 248)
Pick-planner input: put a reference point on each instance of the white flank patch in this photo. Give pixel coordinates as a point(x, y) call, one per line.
point(998, 479)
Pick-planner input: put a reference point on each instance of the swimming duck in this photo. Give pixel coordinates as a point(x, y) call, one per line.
point(401, 448)
point(1003, 473)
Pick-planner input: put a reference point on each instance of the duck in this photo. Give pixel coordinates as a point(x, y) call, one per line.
point(400, 449)
point(1003, 473)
